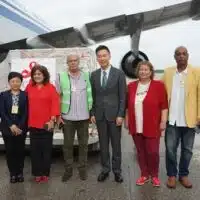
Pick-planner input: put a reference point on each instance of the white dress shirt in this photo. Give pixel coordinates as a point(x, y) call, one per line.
point(177, 101)
point(141, 93)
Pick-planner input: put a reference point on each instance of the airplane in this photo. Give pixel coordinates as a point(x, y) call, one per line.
point(14, 16)
point(105, 29)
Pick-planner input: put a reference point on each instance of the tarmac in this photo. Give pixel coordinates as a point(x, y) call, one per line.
point(75, 189)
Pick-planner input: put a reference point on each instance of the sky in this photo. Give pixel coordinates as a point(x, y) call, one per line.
point(159, 44)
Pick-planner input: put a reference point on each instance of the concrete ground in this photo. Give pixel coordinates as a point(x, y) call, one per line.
point(91, 189)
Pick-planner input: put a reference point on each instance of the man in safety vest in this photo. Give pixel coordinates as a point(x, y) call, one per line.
point(76, 102)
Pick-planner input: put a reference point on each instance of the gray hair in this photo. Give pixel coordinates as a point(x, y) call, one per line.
point(180, 47)
point(73, 54)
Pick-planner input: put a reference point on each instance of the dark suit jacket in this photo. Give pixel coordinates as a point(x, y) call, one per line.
point(109, 102)
point(7, 118)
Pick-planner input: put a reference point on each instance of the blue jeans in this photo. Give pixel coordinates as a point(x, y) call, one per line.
point(173, 136)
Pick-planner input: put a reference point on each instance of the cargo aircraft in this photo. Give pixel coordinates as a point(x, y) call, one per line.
point(21, 30)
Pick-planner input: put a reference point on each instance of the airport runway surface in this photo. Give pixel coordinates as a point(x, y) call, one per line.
point(75, 189)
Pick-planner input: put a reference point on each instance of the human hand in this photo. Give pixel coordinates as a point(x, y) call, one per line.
point(126, 122)
point(119, 121)
point(162, 126)
point(198, 121)
point(60, 121)
point(15, 130)
point(50, 125)
point(93, 119)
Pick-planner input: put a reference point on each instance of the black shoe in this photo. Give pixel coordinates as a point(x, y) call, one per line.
point(118, 178)
point(13, 179)
point(20, 178)
point(102, 176)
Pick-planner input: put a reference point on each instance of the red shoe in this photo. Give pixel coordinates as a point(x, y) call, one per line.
point(155, 181)
point(142, 180)
point(45, 179)
point(38, 179)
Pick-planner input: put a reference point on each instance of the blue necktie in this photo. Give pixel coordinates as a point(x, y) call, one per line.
point(104, 81)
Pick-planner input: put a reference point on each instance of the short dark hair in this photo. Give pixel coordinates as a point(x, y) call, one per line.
point(12, 75)
point(102, 47)
point(43, 70)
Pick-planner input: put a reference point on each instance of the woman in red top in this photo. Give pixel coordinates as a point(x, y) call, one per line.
point(44, 107)
point(146, 118)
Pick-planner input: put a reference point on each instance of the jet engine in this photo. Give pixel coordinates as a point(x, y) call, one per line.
point(130, 61)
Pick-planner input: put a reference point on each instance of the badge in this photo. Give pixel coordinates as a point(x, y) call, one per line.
point(14, 109)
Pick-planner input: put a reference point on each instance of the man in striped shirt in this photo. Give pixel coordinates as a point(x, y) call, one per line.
point(76, 102)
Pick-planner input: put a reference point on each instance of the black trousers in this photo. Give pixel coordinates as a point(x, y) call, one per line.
point(15, 153)
point(109, 132)
point(41, 149)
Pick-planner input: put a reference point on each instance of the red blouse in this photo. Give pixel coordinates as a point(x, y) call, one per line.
point(154, 102)
point(44, 103)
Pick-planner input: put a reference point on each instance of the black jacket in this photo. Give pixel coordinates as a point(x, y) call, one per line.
point(7, 118)
point(109, 102)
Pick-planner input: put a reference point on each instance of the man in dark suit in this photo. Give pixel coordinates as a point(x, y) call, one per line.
point(109, 96)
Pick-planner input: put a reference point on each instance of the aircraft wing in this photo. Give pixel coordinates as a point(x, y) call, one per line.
point(110, 28)
point(129, 24)
point(69, 37)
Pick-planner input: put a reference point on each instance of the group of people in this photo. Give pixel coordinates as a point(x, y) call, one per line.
point(147, 106)
point(34, 110)
point(172, 105)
